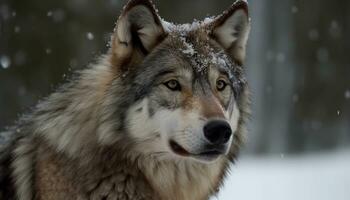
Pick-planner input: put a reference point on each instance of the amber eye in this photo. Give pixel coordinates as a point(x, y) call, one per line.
point(221, 85)
point(173, 85)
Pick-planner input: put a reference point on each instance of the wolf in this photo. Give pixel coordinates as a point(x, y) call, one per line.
point(160, 116)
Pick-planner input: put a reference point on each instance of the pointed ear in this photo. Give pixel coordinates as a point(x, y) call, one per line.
point(138, 29)
point(231, 30)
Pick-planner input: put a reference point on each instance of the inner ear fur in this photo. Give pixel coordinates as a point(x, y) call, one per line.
point(231, 30)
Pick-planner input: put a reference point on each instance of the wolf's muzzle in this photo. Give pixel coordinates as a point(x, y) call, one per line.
point(217, 132)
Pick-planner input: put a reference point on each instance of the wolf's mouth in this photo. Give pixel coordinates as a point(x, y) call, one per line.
point(205, 155)
point(178, 149)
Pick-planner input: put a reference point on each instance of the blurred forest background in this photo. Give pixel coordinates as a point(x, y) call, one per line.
point(298, 61)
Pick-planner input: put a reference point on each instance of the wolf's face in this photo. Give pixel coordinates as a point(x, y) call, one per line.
point(186, 81)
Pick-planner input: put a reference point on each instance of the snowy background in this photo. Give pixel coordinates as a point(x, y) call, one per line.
point(316, 176)
point(298, 144)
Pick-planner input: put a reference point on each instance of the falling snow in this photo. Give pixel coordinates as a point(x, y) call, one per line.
point(5, 61)
point(295, 98)
point(48, 51)
point(335, 29)
point(90, 36)
point(347, 94)
point(57, 15)
point(280, 57)
point(4, 12)
point(17, 29)
point(294, 9)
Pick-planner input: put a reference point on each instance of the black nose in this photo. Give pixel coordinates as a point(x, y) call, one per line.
point(217, 131)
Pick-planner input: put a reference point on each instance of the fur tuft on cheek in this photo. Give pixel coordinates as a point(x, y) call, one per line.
point(139, 122)
point(148, 127)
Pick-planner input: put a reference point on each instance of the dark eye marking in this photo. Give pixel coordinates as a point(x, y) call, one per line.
point(163, 73)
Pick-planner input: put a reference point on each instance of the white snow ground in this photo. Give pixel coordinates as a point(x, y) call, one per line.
point(324, 176)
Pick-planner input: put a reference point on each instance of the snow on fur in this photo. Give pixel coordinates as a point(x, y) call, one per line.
point(199, 61)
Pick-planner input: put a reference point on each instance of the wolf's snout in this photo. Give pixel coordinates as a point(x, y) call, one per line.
point(217, 131)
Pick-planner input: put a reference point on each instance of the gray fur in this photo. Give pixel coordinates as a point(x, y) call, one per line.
point(78, 143)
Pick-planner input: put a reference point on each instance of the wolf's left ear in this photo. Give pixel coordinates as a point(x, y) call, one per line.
point(231, 30)
point(139, 29)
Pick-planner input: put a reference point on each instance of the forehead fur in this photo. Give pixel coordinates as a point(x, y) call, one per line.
point(194, 41)
point(191, 45)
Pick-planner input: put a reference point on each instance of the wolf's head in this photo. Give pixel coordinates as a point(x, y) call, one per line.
point(183, 85)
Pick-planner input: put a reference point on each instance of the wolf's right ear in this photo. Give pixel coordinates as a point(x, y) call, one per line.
point(231, 30)
point(138, 31)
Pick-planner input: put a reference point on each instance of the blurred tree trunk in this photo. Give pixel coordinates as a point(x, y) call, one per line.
point(271, 73)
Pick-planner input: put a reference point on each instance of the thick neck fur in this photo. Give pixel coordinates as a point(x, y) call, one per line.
point(185, 180)
point(109, 175)
point(81, 141)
